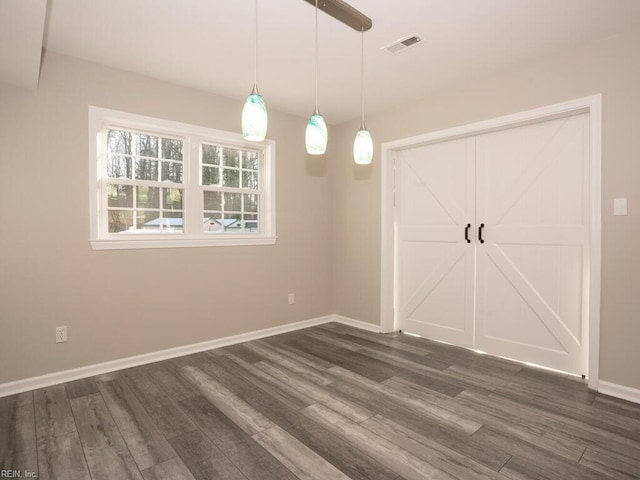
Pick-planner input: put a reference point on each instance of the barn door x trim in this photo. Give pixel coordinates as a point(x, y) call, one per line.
point(591, 105)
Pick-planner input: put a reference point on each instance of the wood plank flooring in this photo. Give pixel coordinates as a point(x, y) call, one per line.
point(328, 402)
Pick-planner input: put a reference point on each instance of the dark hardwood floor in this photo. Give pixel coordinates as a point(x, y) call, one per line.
point(328, 402)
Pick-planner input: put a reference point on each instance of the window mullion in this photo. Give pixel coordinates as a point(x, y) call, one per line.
point(134, 192)
point(193, 205)
point(215, 188)
point(104, 206)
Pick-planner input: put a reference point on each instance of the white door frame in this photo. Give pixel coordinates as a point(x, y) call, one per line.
point(591, 105)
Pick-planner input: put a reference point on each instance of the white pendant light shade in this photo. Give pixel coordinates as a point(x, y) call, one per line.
point(363, 144)
point(254, 112)
point(363, 147)
point(254, 118)
point(316, 135)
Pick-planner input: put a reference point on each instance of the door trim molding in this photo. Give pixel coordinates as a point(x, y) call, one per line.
point(591, 105)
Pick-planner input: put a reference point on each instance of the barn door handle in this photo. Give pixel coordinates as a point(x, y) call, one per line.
point(480, 228)
point(466, 232)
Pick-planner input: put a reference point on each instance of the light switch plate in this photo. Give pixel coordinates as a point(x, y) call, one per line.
point(619, 206)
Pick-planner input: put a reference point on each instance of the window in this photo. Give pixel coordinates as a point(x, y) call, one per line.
point(231, 188)
point(156, 183)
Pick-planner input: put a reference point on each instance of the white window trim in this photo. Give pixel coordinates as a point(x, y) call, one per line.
point(99, 118)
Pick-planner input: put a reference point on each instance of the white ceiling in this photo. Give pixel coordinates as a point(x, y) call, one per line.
point(208, 44)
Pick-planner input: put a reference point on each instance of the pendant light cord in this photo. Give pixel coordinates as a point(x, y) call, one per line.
point(255, 47)
point(316, 110)
point(362, 73)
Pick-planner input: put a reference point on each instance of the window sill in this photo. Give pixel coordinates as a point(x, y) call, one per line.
point(182, 242)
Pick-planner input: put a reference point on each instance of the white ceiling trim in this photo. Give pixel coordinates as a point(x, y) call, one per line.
point(21, 34)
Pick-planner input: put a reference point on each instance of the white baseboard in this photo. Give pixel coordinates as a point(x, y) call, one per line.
point(19, 386)
point(33, 383)
point(356, 323)
point(619, 391)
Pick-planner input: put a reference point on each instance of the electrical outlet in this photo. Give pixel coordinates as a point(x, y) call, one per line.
point(620, 206)
point(61, 334)
point(292, 299)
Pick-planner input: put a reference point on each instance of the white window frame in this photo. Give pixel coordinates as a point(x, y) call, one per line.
point(192, 236)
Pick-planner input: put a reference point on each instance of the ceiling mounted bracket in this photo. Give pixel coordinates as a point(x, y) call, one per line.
point(345, 13)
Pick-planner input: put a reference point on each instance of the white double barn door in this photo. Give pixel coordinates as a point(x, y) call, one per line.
point(519, 293)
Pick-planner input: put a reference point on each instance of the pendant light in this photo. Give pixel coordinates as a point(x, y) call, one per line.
point(316, 133)
point(254, 113)
point(363, 144)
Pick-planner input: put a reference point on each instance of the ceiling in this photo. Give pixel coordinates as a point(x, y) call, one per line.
point(208, 45)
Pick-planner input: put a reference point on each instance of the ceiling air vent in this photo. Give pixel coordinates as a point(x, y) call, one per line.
point(403, 44)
